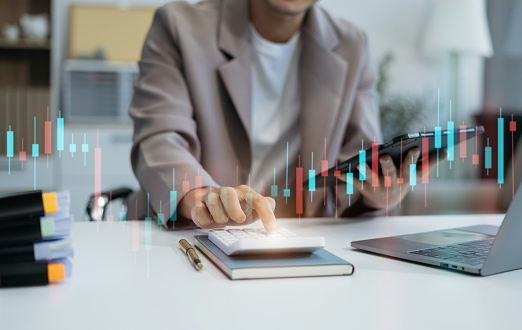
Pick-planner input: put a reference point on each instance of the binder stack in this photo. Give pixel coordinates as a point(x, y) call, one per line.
point(35, 238)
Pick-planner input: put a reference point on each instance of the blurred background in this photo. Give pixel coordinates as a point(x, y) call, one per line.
point(80, 58)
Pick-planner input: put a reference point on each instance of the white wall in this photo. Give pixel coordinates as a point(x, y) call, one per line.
point(503, 78)
point(398, 26)
point(393, 26)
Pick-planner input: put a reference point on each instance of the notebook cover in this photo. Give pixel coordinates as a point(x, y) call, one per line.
point(276, 261)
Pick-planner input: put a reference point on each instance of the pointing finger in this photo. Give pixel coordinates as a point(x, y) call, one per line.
point(263, 208)
point(271, 202)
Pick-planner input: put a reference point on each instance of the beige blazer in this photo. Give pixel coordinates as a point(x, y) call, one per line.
point(192, 103)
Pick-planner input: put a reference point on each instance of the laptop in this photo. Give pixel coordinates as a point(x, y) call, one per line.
point(482, 249)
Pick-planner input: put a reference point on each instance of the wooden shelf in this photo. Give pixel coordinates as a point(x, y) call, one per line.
point(24, 73)
point(25, 44)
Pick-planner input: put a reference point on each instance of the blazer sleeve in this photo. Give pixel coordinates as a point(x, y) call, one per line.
point(364, 123)
point(165, 132)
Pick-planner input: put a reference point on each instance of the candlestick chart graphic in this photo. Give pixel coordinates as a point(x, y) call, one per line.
point(296, 184)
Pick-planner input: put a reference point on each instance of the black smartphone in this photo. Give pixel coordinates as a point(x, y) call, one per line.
point(398, 148)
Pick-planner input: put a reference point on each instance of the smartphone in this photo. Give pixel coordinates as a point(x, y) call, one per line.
point(398, 149)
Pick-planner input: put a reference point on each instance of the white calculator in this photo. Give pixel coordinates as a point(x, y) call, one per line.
point(259, 241)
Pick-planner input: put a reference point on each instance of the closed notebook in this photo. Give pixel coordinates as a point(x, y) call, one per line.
point(319, 263)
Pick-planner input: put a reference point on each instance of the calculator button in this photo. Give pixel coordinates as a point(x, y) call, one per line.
point(259, 241)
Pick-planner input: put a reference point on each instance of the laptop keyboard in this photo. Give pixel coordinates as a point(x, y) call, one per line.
point(471, 253)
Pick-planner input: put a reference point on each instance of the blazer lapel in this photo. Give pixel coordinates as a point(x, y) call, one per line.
point(233, 40)
point(323, 75)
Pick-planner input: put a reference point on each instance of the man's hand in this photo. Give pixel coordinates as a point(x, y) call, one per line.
point(227, 206)
point(379, 197)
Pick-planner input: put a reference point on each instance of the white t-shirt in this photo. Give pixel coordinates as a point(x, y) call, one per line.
point(275, 107)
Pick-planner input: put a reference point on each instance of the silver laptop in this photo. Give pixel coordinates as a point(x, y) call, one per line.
point(482, 249)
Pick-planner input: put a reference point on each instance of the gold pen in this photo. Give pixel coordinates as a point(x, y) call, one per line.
point(190, 253)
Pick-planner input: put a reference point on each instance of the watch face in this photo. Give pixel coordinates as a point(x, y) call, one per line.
point(96, 209)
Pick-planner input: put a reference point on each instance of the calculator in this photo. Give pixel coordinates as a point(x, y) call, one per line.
point(259, 241)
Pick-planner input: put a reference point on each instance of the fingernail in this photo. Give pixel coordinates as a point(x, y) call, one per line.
point(272, 227)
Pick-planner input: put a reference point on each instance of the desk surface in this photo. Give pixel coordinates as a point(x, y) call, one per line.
point(110, 289)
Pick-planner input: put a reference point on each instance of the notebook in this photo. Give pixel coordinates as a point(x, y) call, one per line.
point(319, 263)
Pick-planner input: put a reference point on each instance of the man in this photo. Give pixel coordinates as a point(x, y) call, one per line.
point(235, 92)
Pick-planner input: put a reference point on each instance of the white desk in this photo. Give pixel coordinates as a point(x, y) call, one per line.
point(109, 290)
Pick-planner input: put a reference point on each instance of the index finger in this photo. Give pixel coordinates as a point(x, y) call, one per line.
point(262, 206)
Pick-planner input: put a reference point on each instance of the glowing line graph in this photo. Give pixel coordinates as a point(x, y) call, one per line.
point(299, 170)
point(324, 172)
point(97, 173)
point(375, 165)
point(148, 234)
point(413, 174)
point(438, 137)
point(110, 217)
point(400, 179)
point(299, 190)
point(500, 150)
point(362, 165)
point(22, 156)
point(35, 152)
point(487, 155)
point(273, 190)
point(512, 129)
point(425, 166)
point(286, 191)
point(60, 134)
point(47, 137)
point(311, 179)
point(47, 143)
point(475, 157)
point(173, 200)
point(72, 146)
point(451, 131)
point(349, 184)
point(10, 146)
